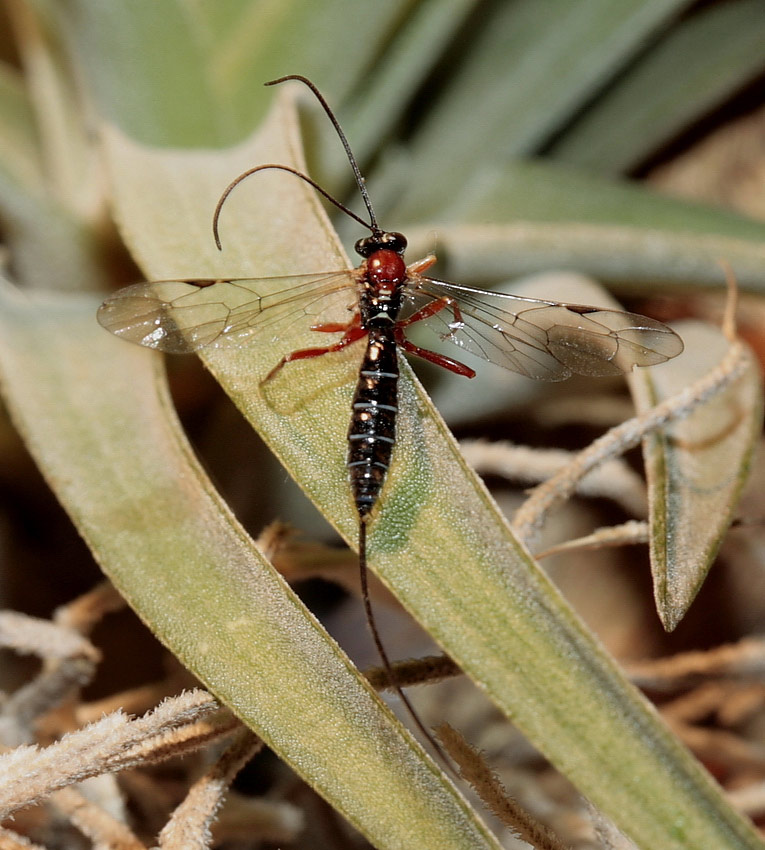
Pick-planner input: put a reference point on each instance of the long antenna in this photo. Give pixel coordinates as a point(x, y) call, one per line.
point(234, 183)
point(360, 182)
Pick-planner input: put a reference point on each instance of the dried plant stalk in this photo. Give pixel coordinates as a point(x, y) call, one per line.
point(189, 827)
point(114, 743)
point(473, 769)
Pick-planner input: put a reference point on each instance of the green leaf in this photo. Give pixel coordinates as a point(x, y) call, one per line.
point(695, 68)
point(528, 67)
point(438, 539)
point(628, 257)
point(192, 74)
point(47, 193)
point(696, 467)
point(547, 191)
point(20, 155)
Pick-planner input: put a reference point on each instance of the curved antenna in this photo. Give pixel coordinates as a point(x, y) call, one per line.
point(360, 182)
point(234, 183)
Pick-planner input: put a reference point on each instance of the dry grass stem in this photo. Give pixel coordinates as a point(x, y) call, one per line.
point(626, 534)
point(298, 558)
point(743, 659)
point(11, 841)
point(415, 671)
point(178, 742)
point(134, 701)
point(722, 749)
point(698, 703)
point(31, 773)
point(614, 479)
point(473, 769)
point(272, 821)
point(189, 826)
point(618, 440)
point(69, 662)
point(88, 610)
point(749, 800)
point(94, 822)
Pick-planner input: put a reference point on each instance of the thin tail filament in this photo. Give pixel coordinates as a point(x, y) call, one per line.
point(386, 663)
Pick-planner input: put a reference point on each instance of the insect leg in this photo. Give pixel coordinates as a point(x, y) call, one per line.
point(420, 266)
point(338, 327)
point(433, 356)
point(430, 309)
point(353, 332)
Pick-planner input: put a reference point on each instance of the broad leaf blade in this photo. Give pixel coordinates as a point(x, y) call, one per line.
point(531, 65)
point(192, 74)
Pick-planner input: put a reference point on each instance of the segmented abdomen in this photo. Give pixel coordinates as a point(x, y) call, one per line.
point(372, 432)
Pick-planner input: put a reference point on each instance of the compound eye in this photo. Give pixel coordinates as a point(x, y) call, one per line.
point(363, 247)
point(396, 242)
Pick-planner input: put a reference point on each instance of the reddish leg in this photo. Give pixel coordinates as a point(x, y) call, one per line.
point(430, 309)
point(420, 266)
point(337, 327)
point(426, 312)
point(352, 331)
point(433, 357)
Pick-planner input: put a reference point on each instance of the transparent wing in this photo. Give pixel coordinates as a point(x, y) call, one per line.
point(179, 316)
point(547, 340)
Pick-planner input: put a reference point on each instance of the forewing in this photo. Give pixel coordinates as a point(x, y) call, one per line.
point(547, 340)
point(179, 316)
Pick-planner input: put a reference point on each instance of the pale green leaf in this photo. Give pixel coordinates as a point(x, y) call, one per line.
point(192, 74)
point(46, 174)
point(628, 257)
point(696, 467)
point(546, 191)
point(530, 66)
point(20, 156)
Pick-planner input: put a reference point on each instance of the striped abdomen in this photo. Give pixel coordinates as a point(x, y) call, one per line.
point(372, 432)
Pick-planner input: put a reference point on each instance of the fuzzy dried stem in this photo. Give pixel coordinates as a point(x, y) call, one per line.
point(30, 773)
point(749, 800)
point(721, 748)
point(614, 479)
point(473, 769)
point(85, 612)
point(99, 826)
point(743, 659)
point(69, 663)
point(189, 826)
point(618, 440)
point(415, 671)
point(626, 534)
